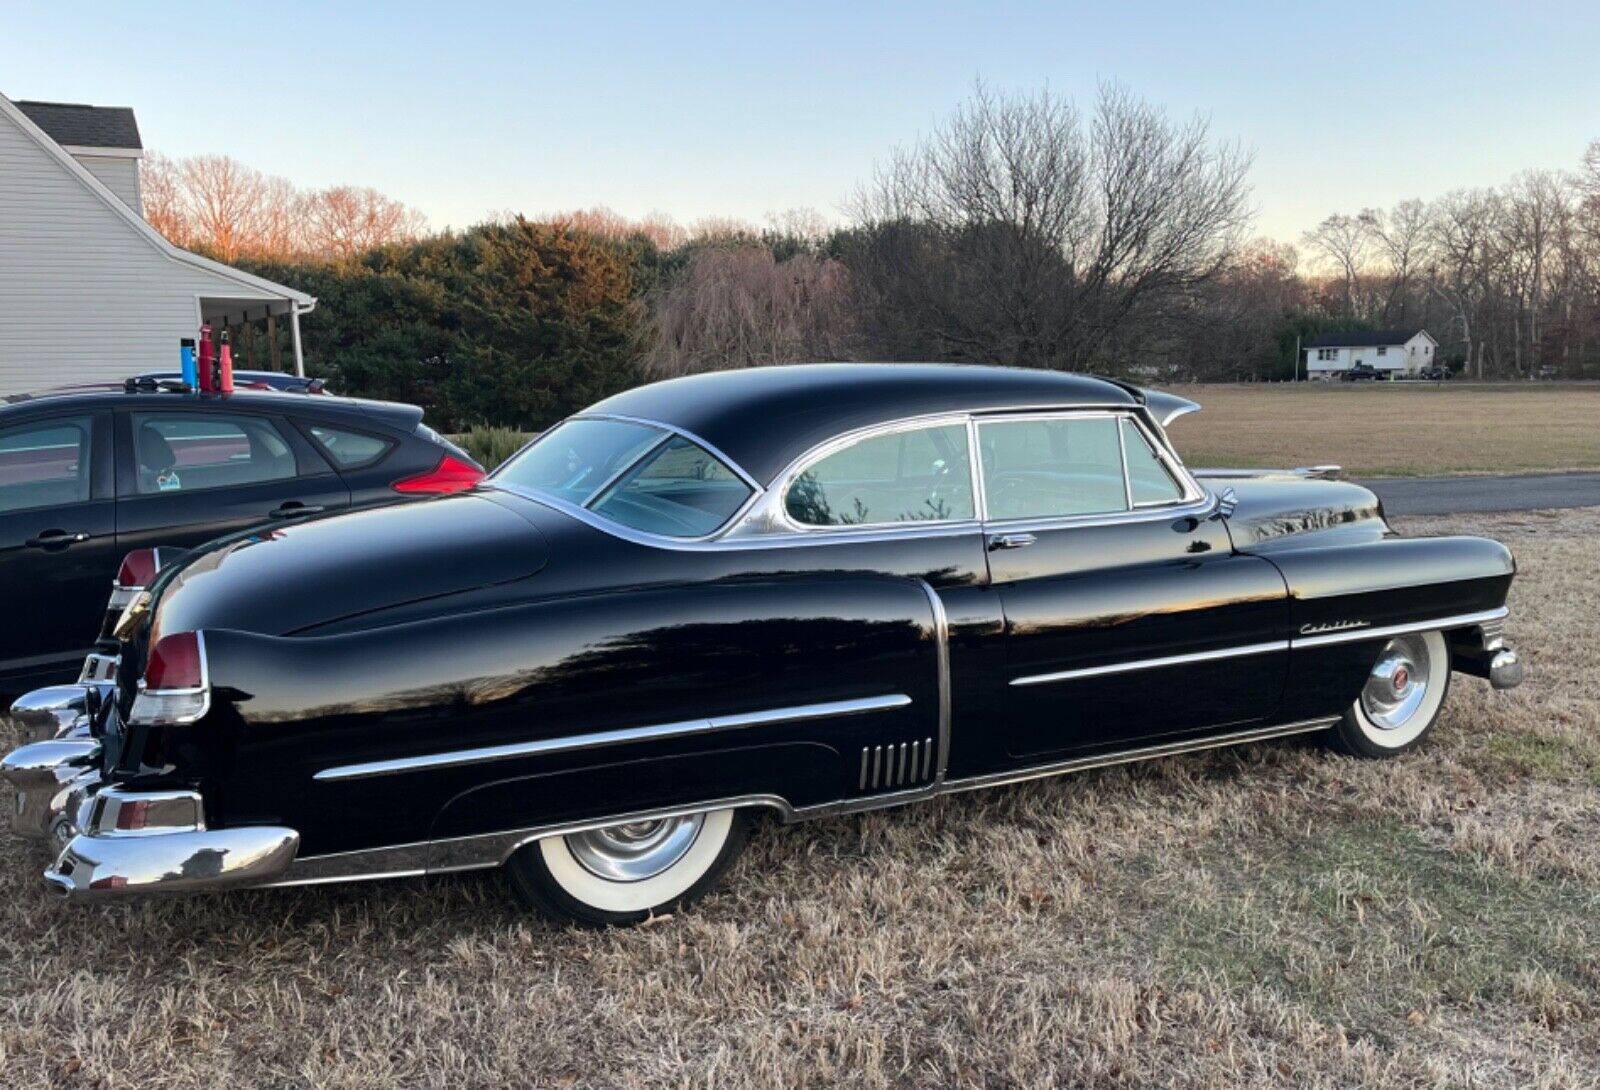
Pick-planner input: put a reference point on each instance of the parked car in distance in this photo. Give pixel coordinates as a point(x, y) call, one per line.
point(1361, 372)
point(253, 380)
point(90, 473)
point(801, 590)
point(1436, 373)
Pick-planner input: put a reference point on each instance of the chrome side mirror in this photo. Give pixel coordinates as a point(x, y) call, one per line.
point(1226, 503)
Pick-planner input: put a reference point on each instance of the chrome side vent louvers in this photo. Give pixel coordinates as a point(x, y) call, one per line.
point(896, 764)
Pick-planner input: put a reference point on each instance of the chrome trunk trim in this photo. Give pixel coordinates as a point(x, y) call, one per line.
point(601, 739)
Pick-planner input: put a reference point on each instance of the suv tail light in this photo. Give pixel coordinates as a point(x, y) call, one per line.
point(176, 688)
point(450, 475)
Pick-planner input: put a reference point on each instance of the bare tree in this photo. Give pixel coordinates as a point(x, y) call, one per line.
point(739, 307)
point(1402, 237)
point(224, 198)
point(1462, 227)
point(1016, 232)
point(162, 195)
point(1344, 242)
point(344, 221)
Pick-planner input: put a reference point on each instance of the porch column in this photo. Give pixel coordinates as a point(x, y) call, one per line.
point(294, 334)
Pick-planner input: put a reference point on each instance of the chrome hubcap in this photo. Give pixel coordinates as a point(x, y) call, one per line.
point(636, 850)
point(1398, 684)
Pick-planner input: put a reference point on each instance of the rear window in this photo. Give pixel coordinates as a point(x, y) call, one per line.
point(349, 449)
point(636, 475)
point(677, 490)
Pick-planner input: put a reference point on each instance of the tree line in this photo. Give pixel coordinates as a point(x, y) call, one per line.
point(1021, 230)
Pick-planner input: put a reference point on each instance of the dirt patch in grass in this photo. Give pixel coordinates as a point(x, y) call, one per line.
point(1268, 916)
point(1386, 429)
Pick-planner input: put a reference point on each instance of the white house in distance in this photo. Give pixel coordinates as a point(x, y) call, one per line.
point(90, 292)
point(1395, 351)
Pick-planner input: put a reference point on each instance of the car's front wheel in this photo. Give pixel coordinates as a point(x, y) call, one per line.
point(623, 874)
point(1401, 700)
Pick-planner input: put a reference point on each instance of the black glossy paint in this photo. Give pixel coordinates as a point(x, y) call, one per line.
point(491, 618)
point(61, 589)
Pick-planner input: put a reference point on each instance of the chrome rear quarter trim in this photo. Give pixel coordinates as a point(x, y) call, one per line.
point(601, 739)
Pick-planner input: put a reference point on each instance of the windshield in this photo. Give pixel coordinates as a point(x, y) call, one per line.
point(633, 474)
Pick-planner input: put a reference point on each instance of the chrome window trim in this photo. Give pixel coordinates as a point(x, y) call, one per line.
point(1241, 651)
point(600, 739)
point(762, 522)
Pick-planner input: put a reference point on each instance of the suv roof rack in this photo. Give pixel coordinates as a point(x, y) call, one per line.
point(139, 384)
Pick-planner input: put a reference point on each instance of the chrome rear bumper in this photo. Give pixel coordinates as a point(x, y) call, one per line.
point(111, 841)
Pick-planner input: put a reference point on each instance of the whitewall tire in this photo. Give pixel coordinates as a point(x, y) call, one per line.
point(1402, 698)
point(625, 873)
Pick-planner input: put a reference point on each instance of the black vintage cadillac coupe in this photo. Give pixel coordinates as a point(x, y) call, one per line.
point(805, 590)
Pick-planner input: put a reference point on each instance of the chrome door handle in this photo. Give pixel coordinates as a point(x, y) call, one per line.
point(1011, 541)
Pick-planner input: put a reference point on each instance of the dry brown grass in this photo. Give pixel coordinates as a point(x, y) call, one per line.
point(1271, 916)
point(1389, 429)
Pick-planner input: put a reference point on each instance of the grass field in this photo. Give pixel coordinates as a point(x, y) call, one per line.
point(1271, 916)
point(1386, 429)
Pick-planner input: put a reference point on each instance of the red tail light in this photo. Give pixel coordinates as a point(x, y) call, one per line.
point(450, 475)
point(175, 663)
point(138, 569)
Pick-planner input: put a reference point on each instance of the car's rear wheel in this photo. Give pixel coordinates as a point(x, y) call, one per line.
point(624, 874)
point(1401, 700)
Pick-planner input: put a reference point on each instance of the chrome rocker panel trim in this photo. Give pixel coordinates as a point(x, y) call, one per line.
point(600, 739)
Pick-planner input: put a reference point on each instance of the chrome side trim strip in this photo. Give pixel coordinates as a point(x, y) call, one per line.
point(941, 647)
point(1356, 635)
point(493, 849)
point(1166, 749)
point(1154, 664)
point(600, 739)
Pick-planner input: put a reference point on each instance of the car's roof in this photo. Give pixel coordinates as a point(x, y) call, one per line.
point(100, 395)
point(765, 417)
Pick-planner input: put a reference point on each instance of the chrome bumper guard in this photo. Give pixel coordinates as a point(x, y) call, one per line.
point(112, 841)
point(1482, 652)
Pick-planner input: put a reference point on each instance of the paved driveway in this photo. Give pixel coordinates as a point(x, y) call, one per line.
point(1457, 495)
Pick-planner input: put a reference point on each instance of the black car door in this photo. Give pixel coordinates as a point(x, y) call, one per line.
point(1128, 615)
point(58, 546)
point(187, 475)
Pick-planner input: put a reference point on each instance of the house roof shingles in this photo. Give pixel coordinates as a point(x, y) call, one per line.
point(1362, 338)
point(73, 125)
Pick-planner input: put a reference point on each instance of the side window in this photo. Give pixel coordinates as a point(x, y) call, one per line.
point(1051, 468)
point(45, 464)
point(1148, 479)
point(184, 452)
point(916, 475)
point(349, 449)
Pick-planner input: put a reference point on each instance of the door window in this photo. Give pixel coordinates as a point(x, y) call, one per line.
point(45, 464)
point(916, 475)
point(1036, 468)
point(193, 451)
point(1148, 479)
point(678, 489)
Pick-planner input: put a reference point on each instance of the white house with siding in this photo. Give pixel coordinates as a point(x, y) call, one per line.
point(1394, 351)
point(89, 291)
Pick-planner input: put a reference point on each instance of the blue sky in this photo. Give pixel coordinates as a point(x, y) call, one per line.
point(469, 109)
